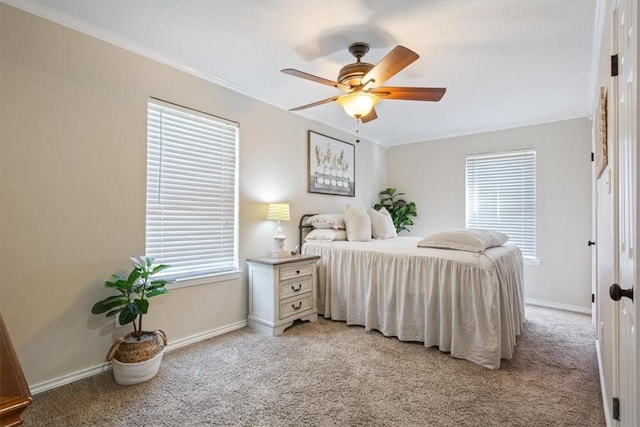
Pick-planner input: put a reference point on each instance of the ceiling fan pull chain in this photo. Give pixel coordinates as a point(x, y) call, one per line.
point(357, 129)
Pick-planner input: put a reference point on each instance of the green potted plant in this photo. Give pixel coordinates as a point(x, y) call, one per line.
point(400, 210)
point(136, 357)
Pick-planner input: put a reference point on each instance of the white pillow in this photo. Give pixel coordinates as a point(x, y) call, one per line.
point(335, 221)
point(464, 240)
point(382, 224)
point(358, 224)
point(326, 235)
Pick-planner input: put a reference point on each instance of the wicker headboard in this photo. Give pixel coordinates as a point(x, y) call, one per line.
point(303, 229)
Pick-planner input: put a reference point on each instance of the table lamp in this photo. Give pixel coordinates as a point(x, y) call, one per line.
point(278, 212)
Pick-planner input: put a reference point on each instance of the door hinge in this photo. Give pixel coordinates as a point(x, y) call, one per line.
point(614, 65)
point(593, 157)
point(593, 298)
point(616, 409)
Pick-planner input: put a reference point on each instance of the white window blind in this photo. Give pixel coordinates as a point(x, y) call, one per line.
point(191, 220)
point(501, 196)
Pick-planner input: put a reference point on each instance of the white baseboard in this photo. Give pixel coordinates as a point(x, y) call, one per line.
point(69, 378)
point(106, 366)
point(550, 304)
point(605, 398)
point(205, 335)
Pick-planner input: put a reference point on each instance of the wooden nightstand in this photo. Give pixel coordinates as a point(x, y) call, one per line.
point(281, 290)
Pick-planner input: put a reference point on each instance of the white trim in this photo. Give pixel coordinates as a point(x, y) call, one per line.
point(93, 31)
point(106, 366)
point(69, 378)
point(192, 158)
point(557, 305)
point(205, 280)
point(107, 37)
point(183, 342)
point(505, 126)
point(532, 262)
point(603, 389)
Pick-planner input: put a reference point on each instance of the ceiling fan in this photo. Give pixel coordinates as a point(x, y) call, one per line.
point(362, 83)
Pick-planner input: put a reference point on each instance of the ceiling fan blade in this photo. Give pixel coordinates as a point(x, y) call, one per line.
point(371, 116)
point(321, 80)
point(410, 93)
point(389, 66)
point(315, 104)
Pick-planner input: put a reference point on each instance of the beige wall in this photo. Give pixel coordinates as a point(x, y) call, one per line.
point(433, 175)
point(72, 185)
point(72, 189)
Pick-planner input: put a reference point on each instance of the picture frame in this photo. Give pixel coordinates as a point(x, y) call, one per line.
point(331, 165)
point(600, 133)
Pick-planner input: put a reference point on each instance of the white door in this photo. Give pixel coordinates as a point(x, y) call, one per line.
point(627, 41)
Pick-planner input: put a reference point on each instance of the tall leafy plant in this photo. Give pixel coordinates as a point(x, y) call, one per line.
point(134, 291)
point(400, 210)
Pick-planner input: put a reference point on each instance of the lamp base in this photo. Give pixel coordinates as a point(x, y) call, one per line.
point(278, 245)
point(279, 254)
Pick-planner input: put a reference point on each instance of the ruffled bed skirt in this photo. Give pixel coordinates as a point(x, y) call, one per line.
point(470, 305)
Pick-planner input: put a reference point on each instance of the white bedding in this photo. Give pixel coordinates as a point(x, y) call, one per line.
point(465, 303)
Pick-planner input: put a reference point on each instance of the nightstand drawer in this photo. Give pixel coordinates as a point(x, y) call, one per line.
point(292, 272)
point(294, 306)
point(296, 287)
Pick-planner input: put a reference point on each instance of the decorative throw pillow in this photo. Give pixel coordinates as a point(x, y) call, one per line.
point(382, 224)
point(468, 239)
point(358, 224)
point(326, 235)
point(335, 221)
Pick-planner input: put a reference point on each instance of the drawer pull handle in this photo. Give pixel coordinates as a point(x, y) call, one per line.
point(294, 289)
point(298, 306)
point(297, 271)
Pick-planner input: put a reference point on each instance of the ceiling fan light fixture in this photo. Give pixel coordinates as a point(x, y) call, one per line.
point(358, 104)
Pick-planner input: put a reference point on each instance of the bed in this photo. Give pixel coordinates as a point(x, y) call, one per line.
point(468, 304)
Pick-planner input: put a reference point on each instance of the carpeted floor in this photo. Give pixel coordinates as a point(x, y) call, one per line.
point(330, 374)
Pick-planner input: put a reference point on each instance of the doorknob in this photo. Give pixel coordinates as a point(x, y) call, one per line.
point(616, 293)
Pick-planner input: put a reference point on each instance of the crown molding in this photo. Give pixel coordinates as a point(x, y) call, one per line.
point(107, 37)
point(506, 126)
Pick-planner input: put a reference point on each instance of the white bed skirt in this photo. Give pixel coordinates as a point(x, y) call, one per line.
point(470, 305)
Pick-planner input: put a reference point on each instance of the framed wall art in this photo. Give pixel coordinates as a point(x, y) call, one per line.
point(600, 123)
point(331, 165)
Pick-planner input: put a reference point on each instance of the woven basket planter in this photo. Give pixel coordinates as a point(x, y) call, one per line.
point(136, 361)
point(135, 373)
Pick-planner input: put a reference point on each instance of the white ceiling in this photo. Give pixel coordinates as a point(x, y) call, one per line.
point(505, 63)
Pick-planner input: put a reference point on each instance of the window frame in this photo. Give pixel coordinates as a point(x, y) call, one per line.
point(231, 269)
point(527, 202)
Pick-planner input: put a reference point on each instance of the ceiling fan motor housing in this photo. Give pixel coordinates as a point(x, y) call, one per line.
point(352, 74)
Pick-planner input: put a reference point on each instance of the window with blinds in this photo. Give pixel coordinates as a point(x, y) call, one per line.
point(501, 196)
point(192, 219)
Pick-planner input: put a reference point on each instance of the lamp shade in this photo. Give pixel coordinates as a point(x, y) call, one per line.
point(278, 212)
point(358, 104)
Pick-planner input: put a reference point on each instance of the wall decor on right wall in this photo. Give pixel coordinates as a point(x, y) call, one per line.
point(600, 132)
point(331, 165)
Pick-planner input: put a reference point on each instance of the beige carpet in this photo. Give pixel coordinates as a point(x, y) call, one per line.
point(330, 374)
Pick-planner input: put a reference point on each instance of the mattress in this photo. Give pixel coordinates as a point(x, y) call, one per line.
point(468, 304)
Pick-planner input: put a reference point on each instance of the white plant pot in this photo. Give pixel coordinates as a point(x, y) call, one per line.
point(134, 373)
